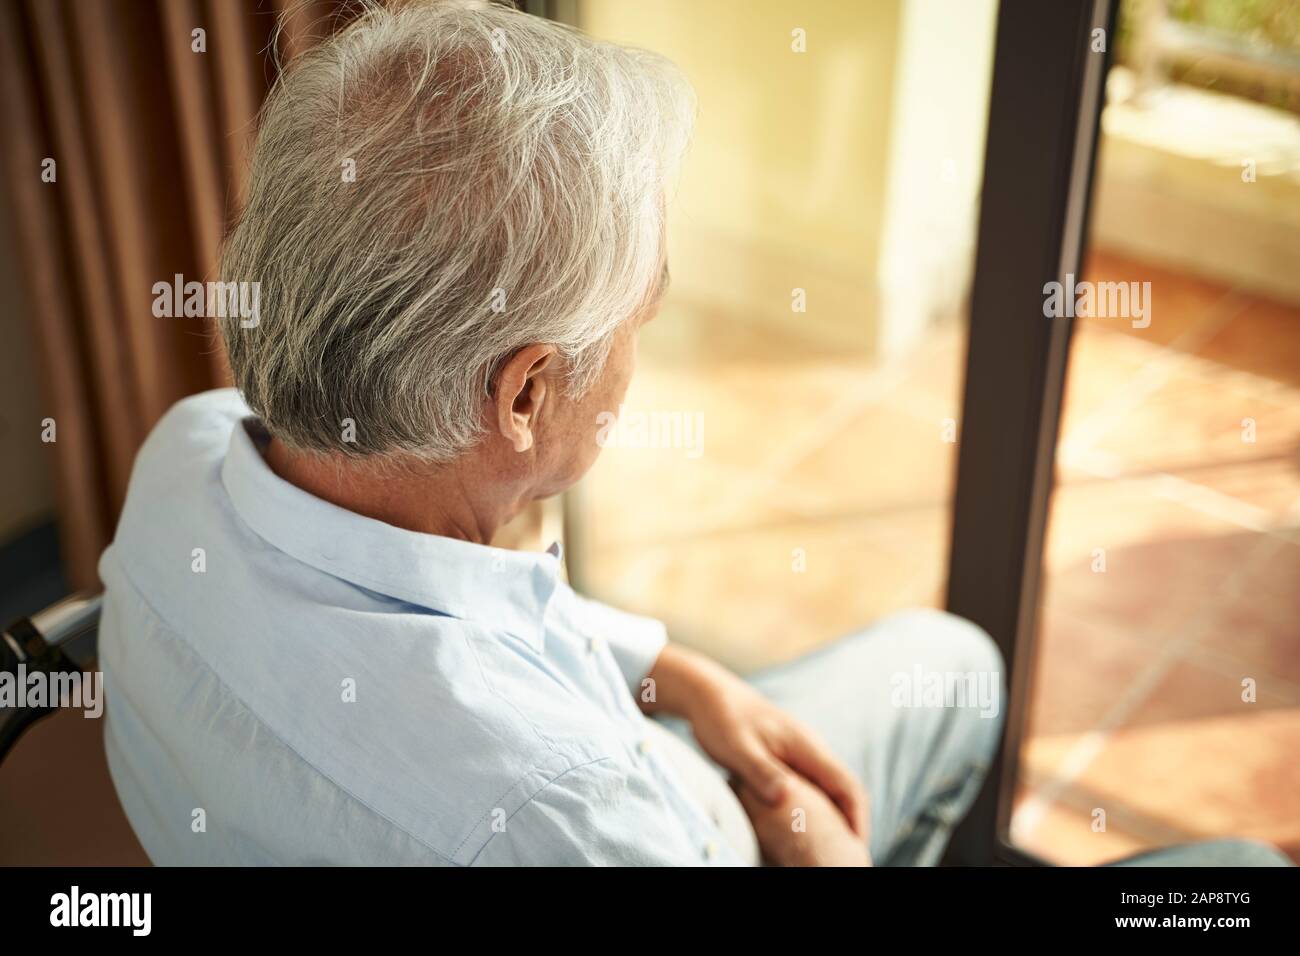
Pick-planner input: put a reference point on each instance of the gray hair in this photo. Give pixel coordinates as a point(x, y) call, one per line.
point(509, 183)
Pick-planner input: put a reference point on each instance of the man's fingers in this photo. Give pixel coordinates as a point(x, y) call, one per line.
point(849, 797)
point(763, 772)
point(857, 807)
point(822, 768)
point(748, 797)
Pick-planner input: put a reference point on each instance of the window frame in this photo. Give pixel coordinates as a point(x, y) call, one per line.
point(1044, 113)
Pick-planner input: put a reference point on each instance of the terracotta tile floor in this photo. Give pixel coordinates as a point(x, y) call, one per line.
point(1138, 693)
point(825, 461)
point(840, 464)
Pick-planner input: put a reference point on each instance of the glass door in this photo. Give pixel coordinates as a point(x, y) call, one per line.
point(1127, 503)
point(993, 307)
point(1164, 700)
point(783, 470)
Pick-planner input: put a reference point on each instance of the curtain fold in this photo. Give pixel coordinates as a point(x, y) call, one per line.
point(149, 138)
point(47, 266)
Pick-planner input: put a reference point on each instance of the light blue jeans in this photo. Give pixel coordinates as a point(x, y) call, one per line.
point(914, 706)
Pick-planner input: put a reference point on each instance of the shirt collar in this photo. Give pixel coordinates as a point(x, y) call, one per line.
point(496, 587)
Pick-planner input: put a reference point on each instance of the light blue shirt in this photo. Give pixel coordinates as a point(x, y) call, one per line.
point(289, 682)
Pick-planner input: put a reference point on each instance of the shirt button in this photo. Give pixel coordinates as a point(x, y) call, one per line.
point(594, 645)
point(710, 850)
point(644, 747)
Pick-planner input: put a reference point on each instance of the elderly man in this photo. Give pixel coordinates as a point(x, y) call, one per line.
point(314, 655)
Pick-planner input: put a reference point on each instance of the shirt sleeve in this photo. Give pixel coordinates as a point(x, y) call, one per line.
point(635, 641)
point(597, 814)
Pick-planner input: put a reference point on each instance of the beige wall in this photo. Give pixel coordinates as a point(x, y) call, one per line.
point(941, 105)
point(784, 186)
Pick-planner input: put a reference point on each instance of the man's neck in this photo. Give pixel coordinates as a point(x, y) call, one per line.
point(444, 500)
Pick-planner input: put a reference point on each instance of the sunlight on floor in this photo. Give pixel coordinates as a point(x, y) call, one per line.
point(822, 501)
point(1138, 704)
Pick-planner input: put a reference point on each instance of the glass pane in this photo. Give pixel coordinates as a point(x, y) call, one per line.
point(807, 365)
point(1166, 697)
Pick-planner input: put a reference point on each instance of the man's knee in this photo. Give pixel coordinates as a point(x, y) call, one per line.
point(945, 642)
point(944, 661)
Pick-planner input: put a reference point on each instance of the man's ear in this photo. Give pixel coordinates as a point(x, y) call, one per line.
point(519, 393)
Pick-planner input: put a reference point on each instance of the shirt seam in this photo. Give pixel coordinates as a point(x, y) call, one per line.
point(540, 790)
point(499, 800)
point(492, 688)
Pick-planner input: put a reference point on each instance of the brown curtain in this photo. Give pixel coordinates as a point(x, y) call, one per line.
point(149, 138)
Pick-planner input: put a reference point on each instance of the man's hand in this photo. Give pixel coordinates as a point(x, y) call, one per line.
point(765, 747)
point(803, 829)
